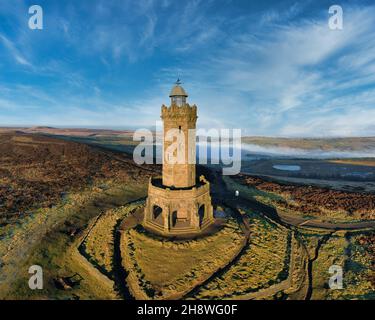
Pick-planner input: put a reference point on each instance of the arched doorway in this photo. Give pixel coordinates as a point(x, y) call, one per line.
point(201, 213)
point(157, 213)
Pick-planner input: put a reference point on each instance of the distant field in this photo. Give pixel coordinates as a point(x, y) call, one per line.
point(329, 144)
point(362, 162)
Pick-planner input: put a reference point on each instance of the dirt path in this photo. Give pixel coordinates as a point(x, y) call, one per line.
point(312, 223)
point(119, 272)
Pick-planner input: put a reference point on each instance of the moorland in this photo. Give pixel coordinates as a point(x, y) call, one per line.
point(73, 204)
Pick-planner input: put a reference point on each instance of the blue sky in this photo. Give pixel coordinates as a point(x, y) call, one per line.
point(272, 68)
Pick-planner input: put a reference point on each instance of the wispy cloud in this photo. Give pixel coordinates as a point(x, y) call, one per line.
point(301, 78)
point(16, 55)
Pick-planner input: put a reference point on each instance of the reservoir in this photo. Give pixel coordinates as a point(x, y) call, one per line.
point(287, 167)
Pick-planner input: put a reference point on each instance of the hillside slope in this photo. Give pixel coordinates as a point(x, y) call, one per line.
point(37, 171)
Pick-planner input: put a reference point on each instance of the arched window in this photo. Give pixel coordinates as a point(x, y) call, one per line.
point(156, 212)
point(174, 218)
point(201, 213)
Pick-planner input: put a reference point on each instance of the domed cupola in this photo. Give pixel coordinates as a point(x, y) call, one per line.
point(178, 95)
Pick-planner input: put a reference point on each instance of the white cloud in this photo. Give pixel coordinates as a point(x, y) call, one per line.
point(298, 78)
point(354, 122)
point(17, 56)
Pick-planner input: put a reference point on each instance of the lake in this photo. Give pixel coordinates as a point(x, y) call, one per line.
point(287, 167)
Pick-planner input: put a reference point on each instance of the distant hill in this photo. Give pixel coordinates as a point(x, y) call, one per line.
point(42, 128)
point(81, 132)
point(326, 144)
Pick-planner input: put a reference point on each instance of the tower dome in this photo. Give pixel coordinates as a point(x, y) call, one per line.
point(178, 95)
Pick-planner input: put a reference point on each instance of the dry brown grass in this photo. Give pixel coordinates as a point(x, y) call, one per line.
point(37, 172)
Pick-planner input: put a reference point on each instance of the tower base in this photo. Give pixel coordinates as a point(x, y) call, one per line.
point(178, 211)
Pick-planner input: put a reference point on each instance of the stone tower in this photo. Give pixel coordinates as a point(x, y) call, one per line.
point(178, 202)
point(180, 118)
